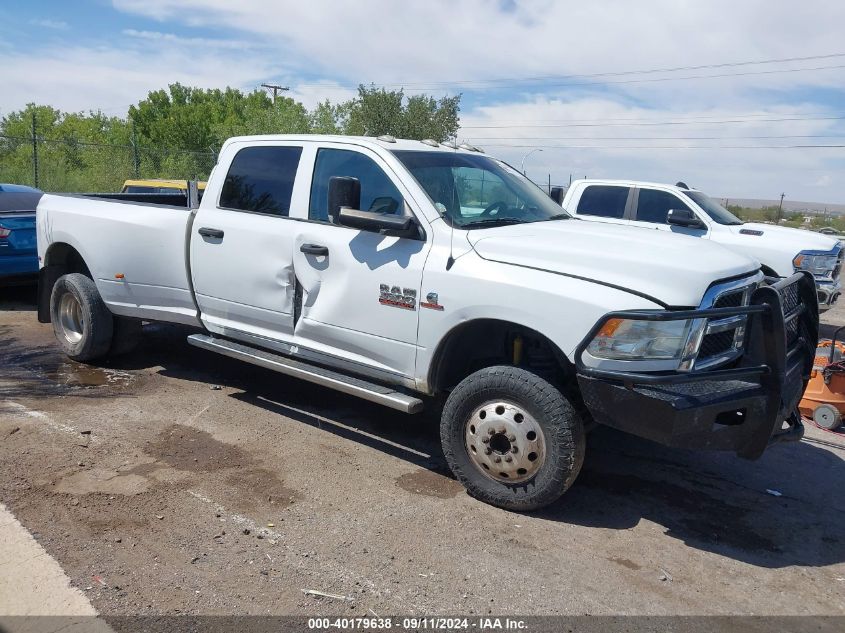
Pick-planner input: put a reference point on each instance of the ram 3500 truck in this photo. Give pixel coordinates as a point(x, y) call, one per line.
point(679, 209)
point(412, 274)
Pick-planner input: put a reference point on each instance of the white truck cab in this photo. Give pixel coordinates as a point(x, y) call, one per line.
point(780, 250)
point(419, 274)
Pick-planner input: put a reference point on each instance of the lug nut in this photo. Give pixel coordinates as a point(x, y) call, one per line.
point(487, 451)
point(514, 449)
point(508, 458)
point(512, 438)
point(498, 460)
point(491, 432)
point(485, 440)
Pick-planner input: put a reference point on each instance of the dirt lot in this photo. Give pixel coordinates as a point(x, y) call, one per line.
point(177, 481)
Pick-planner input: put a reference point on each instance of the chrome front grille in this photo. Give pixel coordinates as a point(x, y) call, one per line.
point(724, 338)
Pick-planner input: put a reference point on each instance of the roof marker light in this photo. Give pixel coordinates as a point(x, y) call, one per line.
point(386, 138)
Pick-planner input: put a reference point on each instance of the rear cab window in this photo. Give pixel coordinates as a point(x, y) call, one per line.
point(261, 179)
point(605, 201)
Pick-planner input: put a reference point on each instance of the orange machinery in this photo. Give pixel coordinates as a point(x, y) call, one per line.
point(824, 397)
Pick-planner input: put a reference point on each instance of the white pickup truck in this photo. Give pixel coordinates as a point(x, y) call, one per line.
point(677, 208)
point(414, 274)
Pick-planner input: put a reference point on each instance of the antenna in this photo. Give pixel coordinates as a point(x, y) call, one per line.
point(451, 261)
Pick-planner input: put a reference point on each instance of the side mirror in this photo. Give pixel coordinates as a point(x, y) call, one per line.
point(684, 217)
point(556, 194)
point(393, 225)
point(344, 192)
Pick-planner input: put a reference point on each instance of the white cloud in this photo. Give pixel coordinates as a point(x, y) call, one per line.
point(57, 25)
point(324, 50)
point(110, 79)
point(312, 93)
point(600, 141)
point(172, 39)
point(385, 42)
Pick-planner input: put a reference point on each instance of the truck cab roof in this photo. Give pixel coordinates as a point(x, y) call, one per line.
point(372, 142)
point(633, 183)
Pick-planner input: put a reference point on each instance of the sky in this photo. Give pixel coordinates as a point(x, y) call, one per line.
point(660, 90)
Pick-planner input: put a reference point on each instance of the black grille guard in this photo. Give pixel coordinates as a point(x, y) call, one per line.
point(781, 338)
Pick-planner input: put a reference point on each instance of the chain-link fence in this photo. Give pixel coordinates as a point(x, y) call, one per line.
point(69, 165)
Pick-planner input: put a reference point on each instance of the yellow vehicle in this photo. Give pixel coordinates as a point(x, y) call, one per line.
point(158, 185)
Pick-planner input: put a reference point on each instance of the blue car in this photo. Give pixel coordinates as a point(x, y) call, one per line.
point(18, 252)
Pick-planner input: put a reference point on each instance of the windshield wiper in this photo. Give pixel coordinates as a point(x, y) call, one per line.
point(493, 222)
point(559, 216)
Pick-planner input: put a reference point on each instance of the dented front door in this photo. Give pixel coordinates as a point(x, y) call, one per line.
point(359, 295)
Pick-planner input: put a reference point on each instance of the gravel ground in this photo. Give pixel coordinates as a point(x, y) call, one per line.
point(177, 481)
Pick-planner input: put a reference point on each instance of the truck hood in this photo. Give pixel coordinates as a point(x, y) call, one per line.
point(793, 239)
point(675, 270)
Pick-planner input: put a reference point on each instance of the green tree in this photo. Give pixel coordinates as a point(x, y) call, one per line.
point(176, 132)
point(377, 111)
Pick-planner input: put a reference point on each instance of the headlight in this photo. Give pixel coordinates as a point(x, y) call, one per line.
point(631, 339)
point(815, 263)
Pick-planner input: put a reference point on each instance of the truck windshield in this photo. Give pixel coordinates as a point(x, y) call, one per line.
point(474, 191)
point(715, 210)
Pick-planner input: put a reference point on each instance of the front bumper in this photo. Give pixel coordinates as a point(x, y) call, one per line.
point(741, 408)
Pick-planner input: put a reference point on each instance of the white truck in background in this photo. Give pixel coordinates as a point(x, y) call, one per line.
point(415, 274)
point(679, 209)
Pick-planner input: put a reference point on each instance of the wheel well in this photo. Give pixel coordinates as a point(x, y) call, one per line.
point(67, 258)
point(487, 342)
point(60, 259)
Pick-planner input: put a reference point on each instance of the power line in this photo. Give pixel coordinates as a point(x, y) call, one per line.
point(623, 72)
point(425, 85)
point(650, 123)
point(663, 79)
point(648, 138)
point(750, 115)
point(669, 147)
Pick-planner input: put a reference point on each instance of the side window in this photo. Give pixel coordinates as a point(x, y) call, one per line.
point(606, 201)
point(378, 193)
point(260, 179)
point(654, 205)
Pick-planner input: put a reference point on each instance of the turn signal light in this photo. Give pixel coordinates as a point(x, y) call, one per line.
point(4, 232)
point(609, 328)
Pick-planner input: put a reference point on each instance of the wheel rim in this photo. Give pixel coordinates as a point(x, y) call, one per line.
point(505, 442)
point(70, 318)
point(826, 417)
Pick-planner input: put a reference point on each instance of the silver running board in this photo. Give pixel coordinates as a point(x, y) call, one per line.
point(318, 375)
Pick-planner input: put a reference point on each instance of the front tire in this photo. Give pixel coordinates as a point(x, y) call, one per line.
point(81, 321)
point(512, 438)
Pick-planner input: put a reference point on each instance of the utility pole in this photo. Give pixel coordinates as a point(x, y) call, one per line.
point(780, 207)
point(34, 151)
point(276, 90)
point(136, 159)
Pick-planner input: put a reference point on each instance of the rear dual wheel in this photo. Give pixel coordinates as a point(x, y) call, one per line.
point(85, 329)
point(512, 438)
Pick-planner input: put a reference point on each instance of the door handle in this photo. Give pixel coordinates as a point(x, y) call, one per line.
point(207, 232)
point(314, 249)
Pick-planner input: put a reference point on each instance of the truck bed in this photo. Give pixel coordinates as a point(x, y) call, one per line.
point(136, 252)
